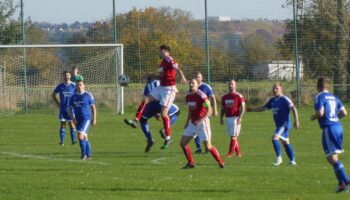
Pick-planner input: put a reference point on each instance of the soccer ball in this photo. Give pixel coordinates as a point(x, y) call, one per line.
point(123, 80)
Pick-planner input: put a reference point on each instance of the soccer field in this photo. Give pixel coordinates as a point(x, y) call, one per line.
point(34, 166)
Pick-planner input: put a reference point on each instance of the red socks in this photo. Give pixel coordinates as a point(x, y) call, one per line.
point(188, 154)
point(140, 110)
point(166, 124)
point(216, 155)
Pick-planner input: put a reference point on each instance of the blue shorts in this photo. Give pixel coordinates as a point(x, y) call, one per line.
point(283, 132)
point(332, 139)
point(64, 115)
point(83, 126)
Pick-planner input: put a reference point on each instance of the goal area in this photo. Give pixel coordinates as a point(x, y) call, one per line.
point(30, 73)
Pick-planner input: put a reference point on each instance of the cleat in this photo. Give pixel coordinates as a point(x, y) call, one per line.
point(84, 157)
point(222, 165)
point(149, 145)
point(239, 155)
point(62, 144)
point(189, 166)
point(73, 143)
point(229, 155)
point(162, 134)
point(166, 144)
point(342, 188)
point(278, 161)
point(198, 151)
point(292, 163)
point(131, 123)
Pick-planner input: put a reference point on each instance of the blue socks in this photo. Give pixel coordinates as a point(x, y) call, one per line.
point(88, 149)
point(198, 142)
point(83, 148)
point(145, 130)
point(290, 152)
point(277, 147)
point(62, 134)
point(340, 172)
point(73, 133)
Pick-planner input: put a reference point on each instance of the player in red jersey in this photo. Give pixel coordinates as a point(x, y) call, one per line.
point(233, 107)
point(165, 93)
point(197, 123)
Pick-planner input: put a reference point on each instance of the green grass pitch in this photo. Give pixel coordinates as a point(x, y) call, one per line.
point(34, 166)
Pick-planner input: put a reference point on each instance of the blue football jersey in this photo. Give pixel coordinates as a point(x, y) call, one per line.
point(150, 86)
point(206, 89)
point(65, 92)
point(331, 105)
point(280, 109)
point(81, 104)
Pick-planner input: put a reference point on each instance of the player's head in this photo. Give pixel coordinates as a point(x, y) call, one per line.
point(198, 76)
point(193, 85)
point(322, 84)
point(66, 76)
point(277, 89)
point(164, 50)
point(80, 86)
point(75, 69)
point(232, 85)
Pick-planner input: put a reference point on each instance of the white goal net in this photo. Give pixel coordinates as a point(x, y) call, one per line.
point(30, 73)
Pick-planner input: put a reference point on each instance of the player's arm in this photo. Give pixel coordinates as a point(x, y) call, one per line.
point(342, 113)
point(183, 78)
point(188, 119)
point(296, 118)
point(318, 114)
point(222, 113)
point(94, 114)
point(55, 98)
point(70, 112)
point(215, 109)
point(241, 111)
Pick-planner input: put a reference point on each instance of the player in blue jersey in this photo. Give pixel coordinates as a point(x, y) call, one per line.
point(65, 91)
point(152, 110)
point(84, 108)
point(204, 87)
point(281, 106)
point(328, 110)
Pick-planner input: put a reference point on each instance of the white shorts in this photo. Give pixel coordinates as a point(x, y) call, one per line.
point(202, 130)
point(233, 128)
point(164, 94)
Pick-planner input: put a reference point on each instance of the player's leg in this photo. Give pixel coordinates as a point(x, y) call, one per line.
point(233, 130)
point(173, 119)
point(197, 140)
point(332, 139)
point(185, 139)
point(146, 131)
point(276, 145)
point(62, 132)
point(73, 132)
point(289, 151)
point(166, 125)
point(85, 146)
point(139, 112)
point(204, 132)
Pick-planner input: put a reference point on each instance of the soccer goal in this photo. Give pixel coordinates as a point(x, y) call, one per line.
point(30, 73)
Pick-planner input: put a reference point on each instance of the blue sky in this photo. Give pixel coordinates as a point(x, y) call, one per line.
point(58, 11)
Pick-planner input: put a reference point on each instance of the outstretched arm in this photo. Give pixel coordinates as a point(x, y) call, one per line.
point(257, 109)
point(183, 78)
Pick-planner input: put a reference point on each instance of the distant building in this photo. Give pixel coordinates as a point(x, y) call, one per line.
point(221, 18)
point(283, 70)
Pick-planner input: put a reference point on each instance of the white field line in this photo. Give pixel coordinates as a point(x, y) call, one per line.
point(54, 159)
point(158, 160)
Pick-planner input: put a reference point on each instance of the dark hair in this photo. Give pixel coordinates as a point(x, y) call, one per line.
point(66, 72)
point(75, 67)
point(322, 83)
point(78, 81)
point(165, 47)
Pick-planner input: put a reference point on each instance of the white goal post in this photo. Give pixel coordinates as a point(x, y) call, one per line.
point(29, 74)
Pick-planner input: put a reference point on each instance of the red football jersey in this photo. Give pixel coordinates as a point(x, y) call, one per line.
point(196, 107)
point(167, 71)
point(231, 102)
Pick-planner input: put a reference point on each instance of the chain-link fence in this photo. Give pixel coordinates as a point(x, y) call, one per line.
point(251, 41)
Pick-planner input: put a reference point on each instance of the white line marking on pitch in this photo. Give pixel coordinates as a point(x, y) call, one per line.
point(54, 159)
point(157, 161)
